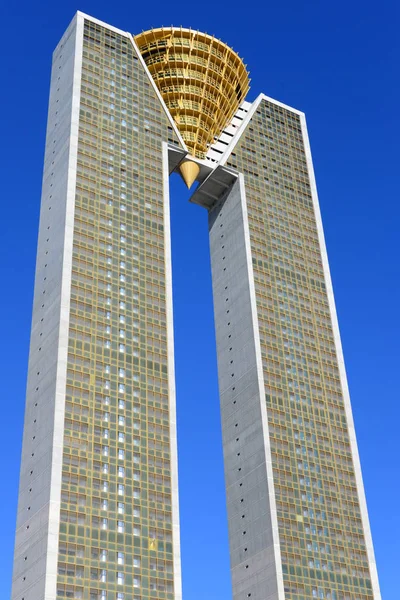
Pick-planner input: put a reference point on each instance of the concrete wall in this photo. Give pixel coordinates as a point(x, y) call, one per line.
point(36, 545)
point(251, 532)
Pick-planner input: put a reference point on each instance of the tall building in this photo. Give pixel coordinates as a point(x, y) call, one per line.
point(98, 515)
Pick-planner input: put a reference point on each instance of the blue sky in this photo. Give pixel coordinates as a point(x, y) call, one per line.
point(337, 61)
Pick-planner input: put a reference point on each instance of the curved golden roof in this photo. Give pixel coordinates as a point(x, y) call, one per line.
point(202, 81)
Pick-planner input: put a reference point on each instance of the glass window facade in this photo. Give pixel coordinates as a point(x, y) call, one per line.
point(116, 476)
point(320, 529)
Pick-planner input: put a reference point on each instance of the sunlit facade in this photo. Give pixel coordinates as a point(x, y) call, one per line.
point(98, 515)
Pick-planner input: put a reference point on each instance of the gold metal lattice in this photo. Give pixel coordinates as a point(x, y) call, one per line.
point(201, 79)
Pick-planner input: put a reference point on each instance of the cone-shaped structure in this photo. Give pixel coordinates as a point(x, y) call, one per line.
point(201, 79)
point(189, 170)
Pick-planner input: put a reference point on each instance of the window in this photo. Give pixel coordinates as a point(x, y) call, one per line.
point(104, 523)
point(120, 578)
point(136, 582)
point(121, 472)
point(121, 420)
point(121, 454)
point(121, 436)
point(136, 561)
point(121, 527)
point(120, 558)
point(121, 508)
point(121, 404)
point(103, 555)
point(120, 596)
point(121, 489)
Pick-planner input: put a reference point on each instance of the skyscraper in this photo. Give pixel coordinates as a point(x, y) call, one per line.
point(98, 515)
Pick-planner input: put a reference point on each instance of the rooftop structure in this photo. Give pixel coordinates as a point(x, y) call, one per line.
point(201, 80)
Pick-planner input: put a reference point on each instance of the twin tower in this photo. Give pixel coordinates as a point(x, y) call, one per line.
point(98, 515)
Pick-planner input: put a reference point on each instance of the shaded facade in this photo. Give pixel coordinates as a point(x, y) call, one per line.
point(98, 513)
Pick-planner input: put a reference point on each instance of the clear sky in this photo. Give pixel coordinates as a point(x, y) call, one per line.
point(337, 61)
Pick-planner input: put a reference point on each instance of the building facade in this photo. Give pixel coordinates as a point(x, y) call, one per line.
point(98, 515)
